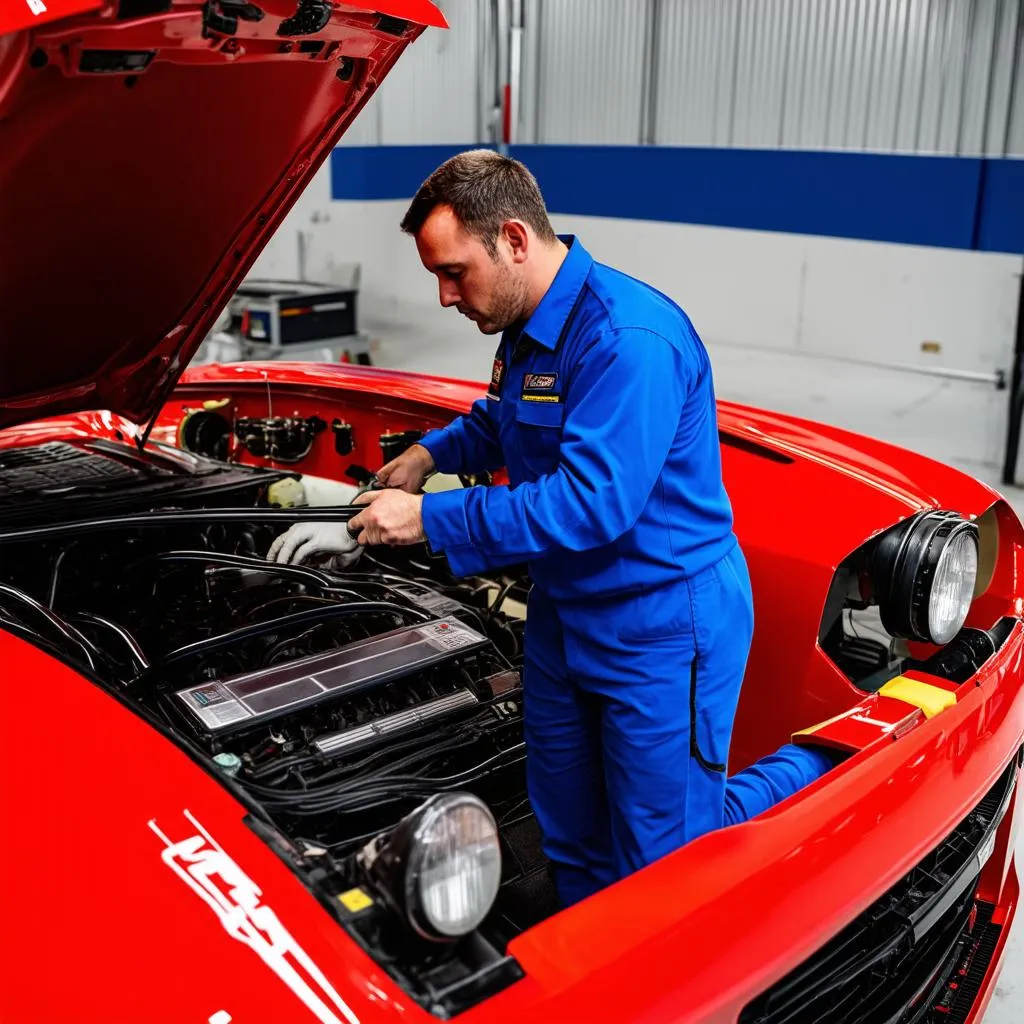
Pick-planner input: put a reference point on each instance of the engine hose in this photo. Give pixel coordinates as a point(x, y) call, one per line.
point(184, 517)
point(136, 652)
point(296, 572)
point(302, 573)
point(65, 629)
point(499, 600)
point(58, 562)
point(313, 615)
point(314, 599)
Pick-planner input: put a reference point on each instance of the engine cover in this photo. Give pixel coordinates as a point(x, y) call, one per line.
point(246, 700)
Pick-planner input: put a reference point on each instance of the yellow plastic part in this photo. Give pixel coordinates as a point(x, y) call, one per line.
point(355, 900)
point(287, 493)
point(930, 699)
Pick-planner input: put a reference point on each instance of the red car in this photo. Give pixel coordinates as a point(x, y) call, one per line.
point(263, 792)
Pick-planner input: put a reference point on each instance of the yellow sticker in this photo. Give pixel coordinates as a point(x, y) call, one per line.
point(355, 900)
point(930, 699)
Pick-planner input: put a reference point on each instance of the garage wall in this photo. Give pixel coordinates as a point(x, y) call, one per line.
point(442, 89)
point(921, 76)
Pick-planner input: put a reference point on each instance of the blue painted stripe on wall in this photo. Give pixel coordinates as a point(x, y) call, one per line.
point(1001, 207)
point(384, 172)
point(953, 202)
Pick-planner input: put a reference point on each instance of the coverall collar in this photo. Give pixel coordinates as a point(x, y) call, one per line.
point(548, 319)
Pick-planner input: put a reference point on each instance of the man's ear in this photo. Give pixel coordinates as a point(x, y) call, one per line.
point(517, 237)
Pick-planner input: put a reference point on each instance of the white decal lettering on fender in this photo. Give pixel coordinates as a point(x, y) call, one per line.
point(37, 7)
point(201, 863)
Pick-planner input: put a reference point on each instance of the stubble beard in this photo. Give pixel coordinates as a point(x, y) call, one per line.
point(509, 303)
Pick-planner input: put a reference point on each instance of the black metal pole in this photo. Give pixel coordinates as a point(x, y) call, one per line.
point(1016, 395)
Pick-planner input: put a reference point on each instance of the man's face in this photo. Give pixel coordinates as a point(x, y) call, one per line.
point(490, 291)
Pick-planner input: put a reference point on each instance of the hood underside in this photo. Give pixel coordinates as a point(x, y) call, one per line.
point(148, 151)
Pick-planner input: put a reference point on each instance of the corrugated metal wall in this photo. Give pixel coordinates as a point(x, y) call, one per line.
point(918, 76)
point(589, 76)
point(1015, 119)
point(925, 76)
point(440, 88)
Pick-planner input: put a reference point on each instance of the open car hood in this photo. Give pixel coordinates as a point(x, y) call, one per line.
point(148, 151)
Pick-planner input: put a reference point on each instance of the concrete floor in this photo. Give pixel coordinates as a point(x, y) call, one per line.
point(938, 417)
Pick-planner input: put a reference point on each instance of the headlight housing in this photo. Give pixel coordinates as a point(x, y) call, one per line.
point(440, 867)
point(923, 572)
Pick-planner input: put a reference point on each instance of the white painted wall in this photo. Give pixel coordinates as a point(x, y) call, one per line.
point(757, 299)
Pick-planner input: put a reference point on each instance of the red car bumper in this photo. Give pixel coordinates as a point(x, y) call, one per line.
point(703, 932)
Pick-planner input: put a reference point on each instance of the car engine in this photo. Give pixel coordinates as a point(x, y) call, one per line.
point(332, 702)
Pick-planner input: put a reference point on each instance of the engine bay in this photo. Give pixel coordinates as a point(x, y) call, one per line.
point(335, 701)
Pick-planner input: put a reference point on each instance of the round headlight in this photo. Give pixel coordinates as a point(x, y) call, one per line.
point(924, 572)
point(455, 866)
point(440, 867)
point(953, 587)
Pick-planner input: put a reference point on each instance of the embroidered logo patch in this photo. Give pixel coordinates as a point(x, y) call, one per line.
point(532, 396)
point(539, 381)
point(497, 375)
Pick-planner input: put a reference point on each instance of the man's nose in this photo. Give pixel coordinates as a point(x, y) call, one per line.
point(448, 294)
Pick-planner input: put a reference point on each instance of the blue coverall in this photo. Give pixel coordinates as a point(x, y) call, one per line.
point(602, 409)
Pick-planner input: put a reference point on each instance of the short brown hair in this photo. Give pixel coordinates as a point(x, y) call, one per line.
point(484, 189)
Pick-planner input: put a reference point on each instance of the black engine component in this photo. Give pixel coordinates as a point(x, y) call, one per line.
point(334, 703)
point(281, 438)
point(310, 16)
point(392, 445)
point(206, 433)
point(963, 656)
point(344, 438)
point(38, 482)
point(254, 698)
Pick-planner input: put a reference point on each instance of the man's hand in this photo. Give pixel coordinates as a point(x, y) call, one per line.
point(408, 471)
point(304, 541)
point(392, 517)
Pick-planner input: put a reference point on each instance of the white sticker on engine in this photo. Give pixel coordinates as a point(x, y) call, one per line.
point(214, 706)
point(449, 636)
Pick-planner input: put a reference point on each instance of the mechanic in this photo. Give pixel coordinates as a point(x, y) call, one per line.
point(601, 406)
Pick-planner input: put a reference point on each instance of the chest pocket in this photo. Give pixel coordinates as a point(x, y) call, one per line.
point(539, 434)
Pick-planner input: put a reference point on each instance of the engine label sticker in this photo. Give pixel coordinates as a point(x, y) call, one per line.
point(206, 695)
point(203, 865)
point(450, 635)
point(213, 705)
point(429, 600)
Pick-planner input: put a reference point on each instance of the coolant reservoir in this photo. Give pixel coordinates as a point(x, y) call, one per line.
point(287, 493)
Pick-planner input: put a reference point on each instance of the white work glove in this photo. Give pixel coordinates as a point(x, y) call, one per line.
point(303, 541)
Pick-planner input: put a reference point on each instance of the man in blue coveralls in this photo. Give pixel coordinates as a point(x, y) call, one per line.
point(602, 409)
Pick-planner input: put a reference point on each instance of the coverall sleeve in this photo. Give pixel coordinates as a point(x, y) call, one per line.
point(469, 444)
point(622, 413)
